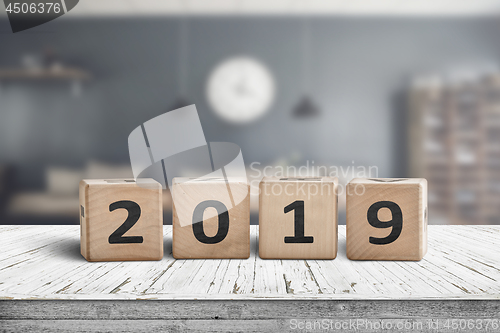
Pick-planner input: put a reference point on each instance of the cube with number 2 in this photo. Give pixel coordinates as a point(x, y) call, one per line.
point(120, 220)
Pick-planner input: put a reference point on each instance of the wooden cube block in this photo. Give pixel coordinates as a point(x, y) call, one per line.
point(120, 220)
point(298, 218)
point(211, 218)
point(386, 219)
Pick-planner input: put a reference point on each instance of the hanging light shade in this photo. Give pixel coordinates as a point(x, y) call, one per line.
point(305, 108)
point(183, 58)
point(180, 102)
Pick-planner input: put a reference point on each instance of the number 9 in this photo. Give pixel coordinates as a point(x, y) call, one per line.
point(396, 223)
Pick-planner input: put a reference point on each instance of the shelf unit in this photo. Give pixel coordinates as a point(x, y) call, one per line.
point(454, 129)
point(69, 74)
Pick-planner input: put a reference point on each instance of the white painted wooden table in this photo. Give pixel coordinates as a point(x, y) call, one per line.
point(460, 275)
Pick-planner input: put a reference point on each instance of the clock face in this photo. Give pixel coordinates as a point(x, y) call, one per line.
point(240, 89)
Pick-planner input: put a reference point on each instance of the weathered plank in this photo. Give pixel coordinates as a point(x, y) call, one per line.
point(44, 262)
point(216, 326)
point(245, 309)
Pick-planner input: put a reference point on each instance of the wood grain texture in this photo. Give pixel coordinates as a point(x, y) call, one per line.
point(318, 200)
point(98, 220)
point(234, 195)
point(44, 263)
point(408, 197)
point(236, 315)
point(261, 309)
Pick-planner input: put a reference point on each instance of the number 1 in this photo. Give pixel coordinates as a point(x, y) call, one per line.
point(298, 207)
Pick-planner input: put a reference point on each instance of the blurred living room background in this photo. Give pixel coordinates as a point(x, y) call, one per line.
point(409, 87)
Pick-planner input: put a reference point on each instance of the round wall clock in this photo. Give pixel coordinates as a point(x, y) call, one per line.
point(240, 89)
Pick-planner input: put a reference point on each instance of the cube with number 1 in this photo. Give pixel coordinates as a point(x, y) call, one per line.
point(298, 218)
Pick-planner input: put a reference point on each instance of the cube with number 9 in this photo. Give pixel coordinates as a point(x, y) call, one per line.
point(386, 219)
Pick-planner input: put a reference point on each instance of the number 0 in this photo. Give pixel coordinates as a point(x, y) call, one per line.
point(396, 223)
point(198, 231)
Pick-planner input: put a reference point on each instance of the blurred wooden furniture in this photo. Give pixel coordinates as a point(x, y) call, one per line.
point(454, 142)
point(58, 203)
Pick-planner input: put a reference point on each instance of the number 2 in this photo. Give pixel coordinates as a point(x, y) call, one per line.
point(134, 213)
point(396, 223)
point(298, 207)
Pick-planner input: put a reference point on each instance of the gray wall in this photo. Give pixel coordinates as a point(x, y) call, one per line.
point(358, 67)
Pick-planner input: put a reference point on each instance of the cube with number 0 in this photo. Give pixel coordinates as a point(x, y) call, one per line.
point(120, 220)
point(386, 219)
point(298, 218)
point(211, 218)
